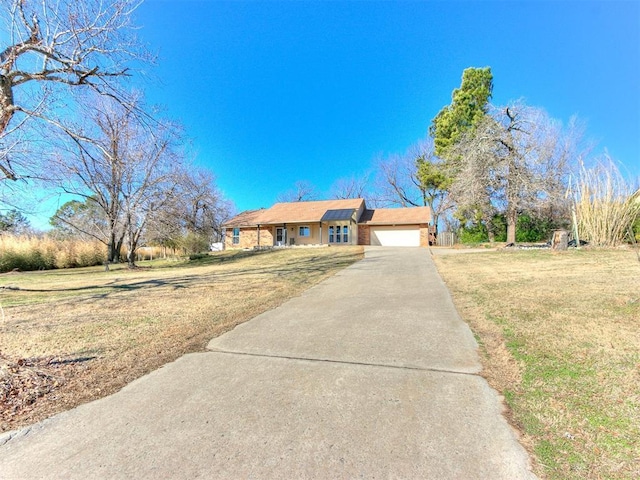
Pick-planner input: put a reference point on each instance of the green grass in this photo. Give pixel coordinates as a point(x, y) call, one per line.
point(570, 325)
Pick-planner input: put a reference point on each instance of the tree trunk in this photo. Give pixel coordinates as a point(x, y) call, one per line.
point(113, 249)
point(131, 257)
point(132, 244)
point(560, 240)
point(7, 110)
point(7, 107)
point(490, 230)
point(112, 252)
point(512, 220)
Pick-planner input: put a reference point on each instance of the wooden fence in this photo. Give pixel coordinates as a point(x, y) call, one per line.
point(446, 239)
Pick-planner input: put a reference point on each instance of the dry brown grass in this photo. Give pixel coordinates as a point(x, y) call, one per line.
point(87, 332)
point(28, 252)
point(560, 339)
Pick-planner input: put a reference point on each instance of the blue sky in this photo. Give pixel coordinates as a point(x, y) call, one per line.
point(275, 92)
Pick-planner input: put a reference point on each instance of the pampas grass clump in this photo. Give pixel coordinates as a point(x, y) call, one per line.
point(606, 205)
point(44, 253)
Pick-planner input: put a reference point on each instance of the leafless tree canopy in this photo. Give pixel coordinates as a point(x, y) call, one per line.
point(402, 180)
point(124, 167)
point(52, 46)
point(195, 207)
point(517, 159)
point(352, 187)
point(302, 191)
point(397, 182)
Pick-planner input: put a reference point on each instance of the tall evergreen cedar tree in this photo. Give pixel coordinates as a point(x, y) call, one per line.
point(468, 107)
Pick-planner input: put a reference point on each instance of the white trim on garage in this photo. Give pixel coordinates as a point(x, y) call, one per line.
point(395, 236)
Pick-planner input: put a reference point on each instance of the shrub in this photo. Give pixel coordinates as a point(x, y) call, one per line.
point(606, 205)
point(195, 243)
point(474, 233)
point(529, 229)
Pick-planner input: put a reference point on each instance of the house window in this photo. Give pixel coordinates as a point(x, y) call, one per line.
point(338, 234)
point(236, 236)
point(331, 237)
point(345, 234)
point(304, 232)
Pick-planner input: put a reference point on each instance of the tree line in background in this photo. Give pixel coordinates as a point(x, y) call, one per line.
point(69, 123)
point(500, 173)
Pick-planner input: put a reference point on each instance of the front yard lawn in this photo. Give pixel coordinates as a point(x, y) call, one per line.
point(560, 339)
point(70, 336)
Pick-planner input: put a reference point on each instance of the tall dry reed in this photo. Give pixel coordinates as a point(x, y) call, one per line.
point(44, 253)
point(606, 205)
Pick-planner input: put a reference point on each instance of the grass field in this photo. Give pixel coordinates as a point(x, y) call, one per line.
point(70, 336)
point(560, 339)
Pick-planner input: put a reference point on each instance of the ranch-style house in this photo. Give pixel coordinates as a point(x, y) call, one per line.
point(329, 222)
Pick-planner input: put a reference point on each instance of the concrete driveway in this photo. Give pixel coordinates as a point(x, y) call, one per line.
point(370, 374)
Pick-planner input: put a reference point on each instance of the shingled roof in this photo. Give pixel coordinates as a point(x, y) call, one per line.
point(244, 219)
point(297, 212)
point(396, 216)
point(329, 210)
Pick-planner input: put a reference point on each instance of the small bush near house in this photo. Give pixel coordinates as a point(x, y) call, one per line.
point(194, 243)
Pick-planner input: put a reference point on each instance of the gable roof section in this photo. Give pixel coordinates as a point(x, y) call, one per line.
point(244, 219)
point(299, 212)
point(396, 216)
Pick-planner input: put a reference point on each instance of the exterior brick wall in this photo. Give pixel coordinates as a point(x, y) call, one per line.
point(249, 238)
point(266, 237)
point(364, 236)
point(228, 236)
point(424, 235)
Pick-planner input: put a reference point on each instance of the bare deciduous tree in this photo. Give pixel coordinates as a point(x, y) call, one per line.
point(196, 207)
point(303, 191)
point(415, 179)
point(352, 187)
point(517, 159)
point(129, 171)
point(51, 46)
point(396, 182)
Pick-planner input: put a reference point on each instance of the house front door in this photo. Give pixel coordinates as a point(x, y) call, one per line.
point(281, 234)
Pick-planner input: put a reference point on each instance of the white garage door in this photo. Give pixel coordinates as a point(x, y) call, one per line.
point(403, 236)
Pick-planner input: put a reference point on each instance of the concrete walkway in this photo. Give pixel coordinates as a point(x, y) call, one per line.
point(370, 374)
